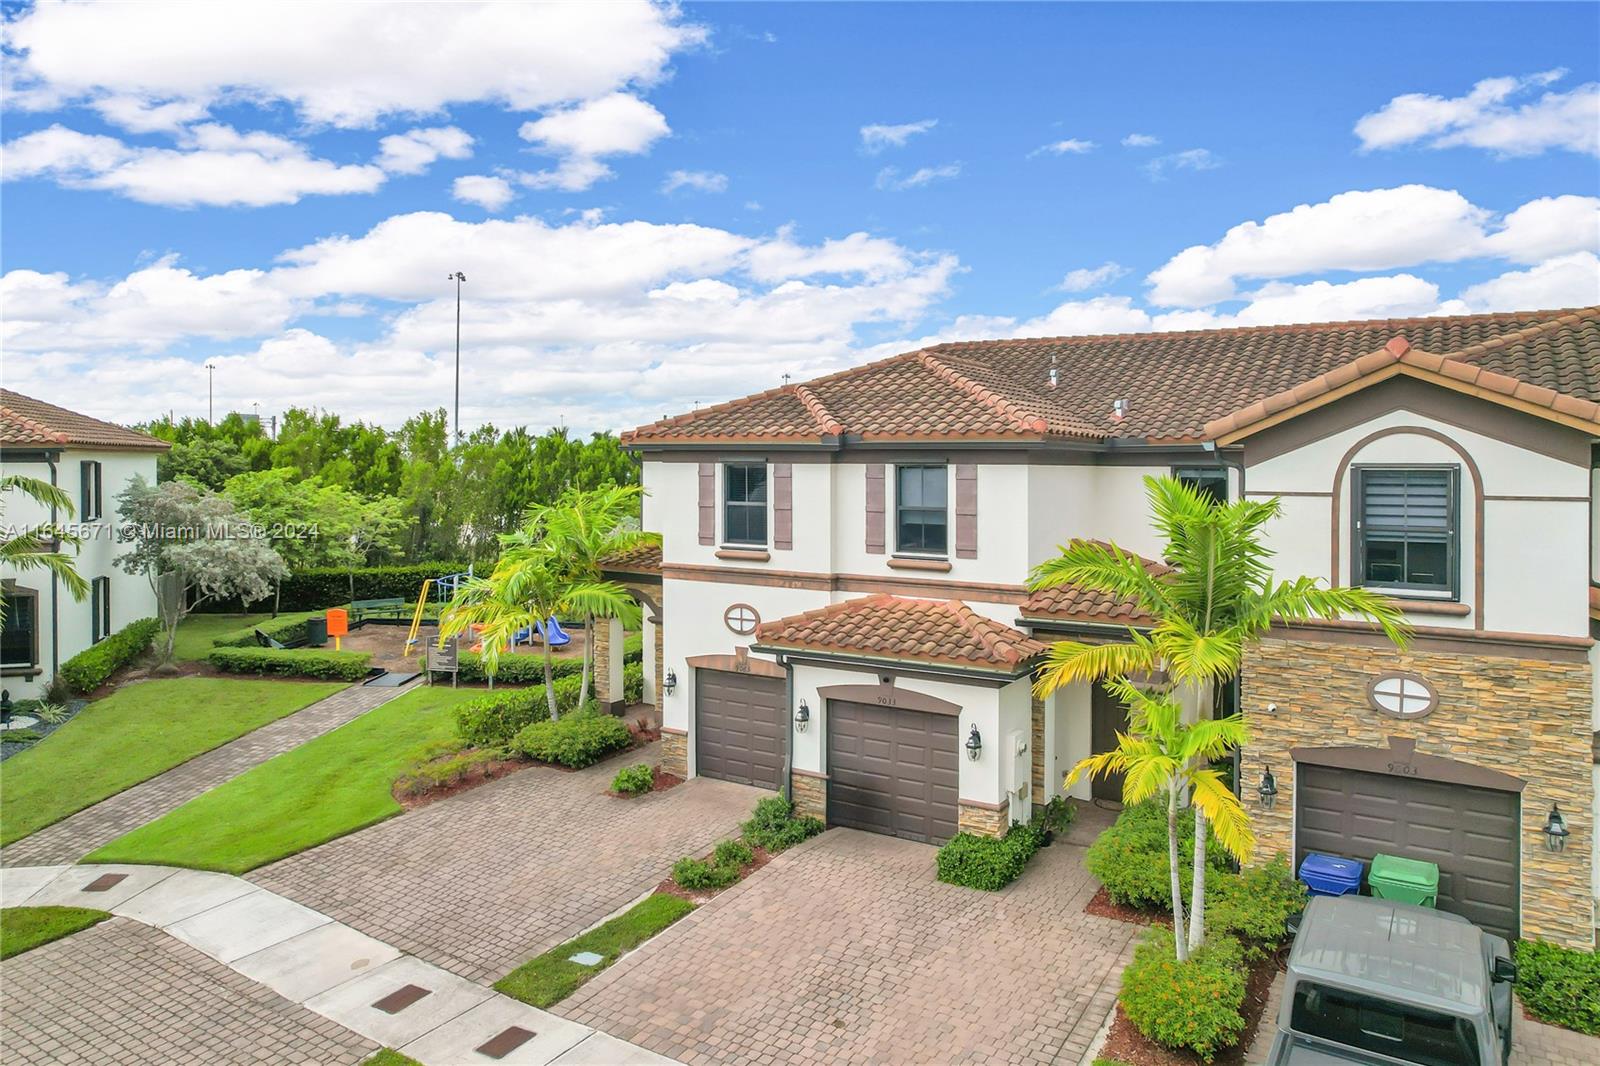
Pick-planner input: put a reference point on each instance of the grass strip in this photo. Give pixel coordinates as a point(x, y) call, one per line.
point(25, 928)
point(553, 976)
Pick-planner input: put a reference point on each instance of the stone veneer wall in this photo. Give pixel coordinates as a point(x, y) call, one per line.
point(983, 821)
point(1039, 791)
point(810, 795)
point(600, 644)
point(674, 753)
point(1525, 717)
point(661, 688)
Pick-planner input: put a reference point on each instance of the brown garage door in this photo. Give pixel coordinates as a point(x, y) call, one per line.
point(1471, 833)
point(892, 771)
point(739, 723)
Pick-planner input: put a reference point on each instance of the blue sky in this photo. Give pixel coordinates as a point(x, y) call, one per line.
point(658, 207)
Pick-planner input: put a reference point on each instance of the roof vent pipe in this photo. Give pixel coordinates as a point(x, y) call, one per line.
point(1119, 409)
point(1053, 375)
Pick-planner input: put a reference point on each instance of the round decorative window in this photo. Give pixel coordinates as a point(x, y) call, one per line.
point(1402, 695)
point(741, 618)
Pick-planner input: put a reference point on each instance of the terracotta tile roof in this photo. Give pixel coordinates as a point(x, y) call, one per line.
point(1074, 603)
point(27, 422)
point(945, 632)
point(1174, 383)
point(642, 559)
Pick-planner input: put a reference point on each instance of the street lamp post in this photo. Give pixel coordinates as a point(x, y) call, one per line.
point(458, 277)
point(211, 392)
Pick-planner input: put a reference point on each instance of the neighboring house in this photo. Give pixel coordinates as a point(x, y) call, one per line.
point(93, 461)
point(841, 612)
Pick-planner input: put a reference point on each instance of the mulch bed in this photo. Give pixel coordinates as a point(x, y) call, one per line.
point(481, 774)
point(1103, 906)
point(699, 896)
point(1126, 1044)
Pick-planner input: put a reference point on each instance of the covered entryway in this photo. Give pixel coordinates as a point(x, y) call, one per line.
point(893, 771)
point(1108, 716)
point(1470, 833)
point(739, 723)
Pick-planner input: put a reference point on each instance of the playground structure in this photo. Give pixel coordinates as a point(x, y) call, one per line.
point(548, 632)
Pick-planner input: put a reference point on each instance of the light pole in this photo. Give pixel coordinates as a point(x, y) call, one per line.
point(458, 277)
point(211, 392)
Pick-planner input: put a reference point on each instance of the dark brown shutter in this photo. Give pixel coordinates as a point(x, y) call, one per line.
point(708, 503)
point(782, 506)
point(875, 509)
point(966, 511)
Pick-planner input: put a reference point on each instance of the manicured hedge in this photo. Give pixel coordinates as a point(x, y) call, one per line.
point(89, 669)
point(576, 740)
point(323, 665)
point(527, 668)
point(284, 631)
point(1560, 985)
point(1190, 1005)
point(774, 826)
point(492, 720)
point(989, 863)
point(1130, 858)
point(315, 588)
point(1254, 905)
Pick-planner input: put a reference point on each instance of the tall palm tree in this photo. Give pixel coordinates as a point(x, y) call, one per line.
point(1162, 753)
point(1217, 596)
point(39, 547)
point(529, 584)
point(584, 527)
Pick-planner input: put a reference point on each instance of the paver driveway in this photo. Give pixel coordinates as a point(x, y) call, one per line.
point(847, 949)
point(483, 881)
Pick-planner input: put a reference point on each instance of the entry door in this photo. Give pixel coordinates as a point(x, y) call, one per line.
point(1107, 717)
point(893, 771)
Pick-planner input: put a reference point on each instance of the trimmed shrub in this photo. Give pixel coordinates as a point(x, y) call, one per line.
point(774, 826)
point(989, 863)
point(90, 668)
point(632, 780)
point(1560, 985)
point(1190, 1005)
point(697, 874)
point(284, 631)
point(1254, 906)
point(517, 668)
point(1130, 858)
point(441, 770)
point(318, 587)
point(732, 853)
point(633, 683)
point(633, 648)
point(321, 665)
point(578, 739)
point(1055, 816)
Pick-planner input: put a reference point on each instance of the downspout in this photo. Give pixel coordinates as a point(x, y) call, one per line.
point(55, 591)
point(788, 729)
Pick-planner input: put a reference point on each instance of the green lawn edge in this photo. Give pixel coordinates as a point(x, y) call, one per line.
point(549, 978)
point(390, 1057)
point(25, 928)
point(126, 758)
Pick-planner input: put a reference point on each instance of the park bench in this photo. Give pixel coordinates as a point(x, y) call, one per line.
point(360, 610)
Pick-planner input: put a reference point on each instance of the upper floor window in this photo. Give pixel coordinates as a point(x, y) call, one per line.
point(99, 609)
point(1407, 531)
point(89, 497)
point(921, 509)
point(744, 495)
point(1210, 481)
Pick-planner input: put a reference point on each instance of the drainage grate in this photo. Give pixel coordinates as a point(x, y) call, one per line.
point(105, 882)
point(504, 1043)
point(401, 998)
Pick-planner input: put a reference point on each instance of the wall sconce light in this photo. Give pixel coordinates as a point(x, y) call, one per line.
point(1555, 830)
point(670, 682)
point(802, 716)
point(1268, 789)
point(974, 744)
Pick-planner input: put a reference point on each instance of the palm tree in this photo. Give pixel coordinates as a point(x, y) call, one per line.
point(583, 528)
point(1163, 753)
point(1216, 596)
point(39, 547)
point(529, 584)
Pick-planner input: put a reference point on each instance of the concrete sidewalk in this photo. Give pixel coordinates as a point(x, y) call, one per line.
point(308, 958)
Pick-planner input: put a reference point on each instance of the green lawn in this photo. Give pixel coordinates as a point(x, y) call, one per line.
point(334, 785)
point(25, 928)
point(133, 735)
point(390, 1057)
point(553, 976)
point(196, 632)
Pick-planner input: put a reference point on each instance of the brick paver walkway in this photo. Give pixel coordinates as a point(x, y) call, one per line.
point(122, 992)
point(848, 950)
point(483, 881)
point(72, 838)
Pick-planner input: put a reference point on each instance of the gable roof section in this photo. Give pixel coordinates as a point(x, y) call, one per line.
point(642, 559)
point(1176, 384)
point(29, 423)
point(897, 628)
point(1074, 603)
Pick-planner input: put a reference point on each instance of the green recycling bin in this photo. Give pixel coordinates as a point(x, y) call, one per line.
point(1404, 880)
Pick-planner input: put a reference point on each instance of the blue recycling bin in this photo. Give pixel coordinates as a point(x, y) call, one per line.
point(1330, 875)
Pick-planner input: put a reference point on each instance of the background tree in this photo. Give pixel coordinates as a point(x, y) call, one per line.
point(38, 547)
point(1218, 597)
point(193, 546)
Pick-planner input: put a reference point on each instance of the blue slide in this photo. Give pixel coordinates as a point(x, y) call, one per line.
point(550, 632)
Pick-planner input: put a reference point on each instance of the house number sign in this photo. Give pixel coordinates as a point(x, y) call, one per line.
point(1401, 695)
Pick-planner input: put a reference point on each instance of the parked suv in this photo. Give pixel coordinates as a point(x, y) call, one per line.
point(1378, 982)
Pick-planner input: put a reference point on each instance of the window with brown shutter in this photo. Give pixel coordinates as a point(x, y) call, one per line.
point(966, 511)
point(876, 502)
point(708, 503)
point(782, 506)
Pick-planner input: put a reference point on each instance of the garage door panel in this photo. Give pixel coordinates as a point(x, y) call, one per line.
point(739, 727)
point(892, 771)
point(1470, 833)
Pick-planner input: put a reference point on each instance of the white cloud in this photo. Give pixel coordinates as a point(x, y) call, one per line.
point(414, 151)
point(321, 59)
point(1189, 159)
point(219, 167)
point(877, 137)
point(1140, 140)
point(1379, 229)
point(1491, 117)
point(1070, 146)
point(486, 190)
point(617, 124)
point(1565, 281)
point(889, 177)
point(782, 258)
point(695, 180)
point(1085, 278)
point(137, 115)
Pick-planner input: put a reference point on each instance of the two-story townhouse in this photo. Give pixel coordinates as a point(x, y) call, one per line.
point(839, 610)
point(92, 461)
